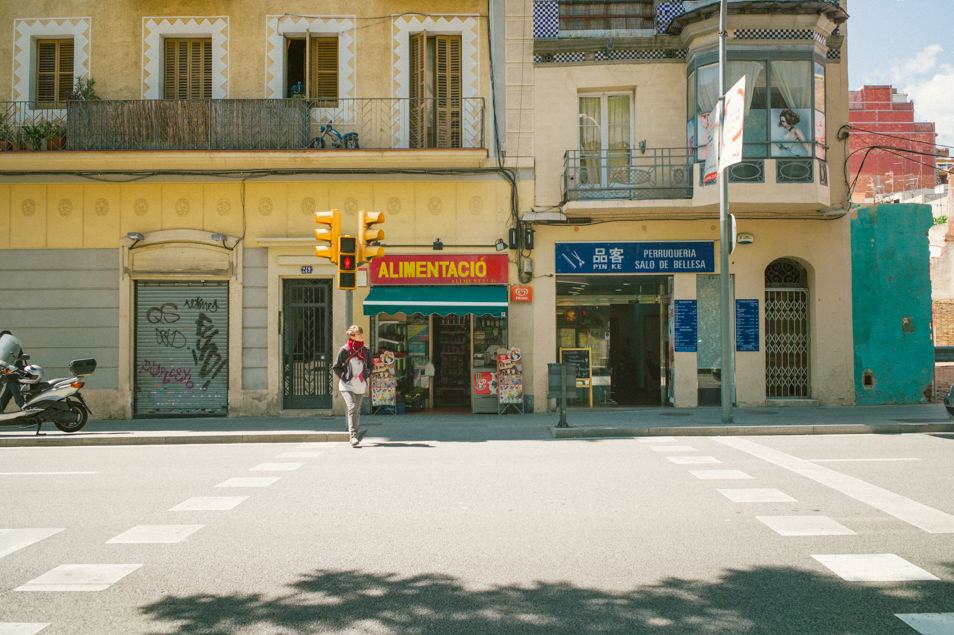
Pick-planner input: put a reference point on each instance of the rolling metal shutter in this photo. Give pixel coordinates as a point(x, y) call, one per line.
point(181, 349)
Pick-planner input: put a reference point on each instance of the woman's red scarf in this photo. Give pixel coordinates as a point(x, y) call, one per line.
point(356, 350)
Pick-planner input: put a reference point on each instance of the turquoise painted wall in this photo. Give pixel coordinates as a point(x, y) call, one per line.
point(891, 303)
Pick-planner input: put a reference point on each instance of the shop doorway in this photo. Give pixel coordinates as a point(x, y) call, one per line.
point(451, 361)
point(623, 321)
point(306, 344)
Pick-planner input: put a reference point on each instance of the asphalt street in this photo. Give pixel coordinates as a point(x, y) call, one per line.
point(779, 534)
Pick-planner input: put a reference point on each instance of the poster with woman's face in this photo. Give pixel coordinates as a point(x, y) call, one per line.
point(791, 132)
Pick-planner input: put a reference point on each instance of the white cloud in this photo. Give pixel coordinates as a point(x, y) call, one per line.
point(927, 80)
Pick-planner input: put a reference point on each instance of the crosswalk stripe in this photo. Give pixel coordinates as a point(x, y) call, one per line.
point(80, 577)
point(154, 534)
point(209, 504)
point(873, 567)
point(927, 623)
point(22, 628)
point(15, 539)
point(927, 518)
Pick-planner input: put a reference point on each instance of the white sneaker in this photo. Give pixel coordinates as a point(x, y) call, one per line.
point(354, 442)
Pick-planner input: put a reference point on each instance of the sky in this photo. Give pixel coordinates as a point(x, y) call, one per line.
point(908, 44)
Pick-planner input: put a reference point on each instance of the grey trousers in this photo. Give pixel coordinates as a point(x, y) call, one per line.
point(353, 402)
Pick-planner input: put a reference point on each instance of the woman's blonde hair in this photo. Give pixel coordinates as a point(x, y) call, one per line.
point(353, 330)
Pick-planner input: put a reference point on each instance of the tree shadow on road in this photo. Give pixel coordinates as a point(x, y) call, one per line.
point(763, 600)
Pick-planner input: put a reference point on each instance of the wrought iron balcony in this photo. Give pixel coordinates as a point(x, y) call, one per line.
point(657, 173)
point(248, 124)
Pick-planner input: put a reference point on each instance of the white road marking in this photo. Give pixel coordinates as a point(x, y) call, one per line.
point(80, 577)
point(21, 628)
point(806, 526)
point(209, 504)
point(693, 460)
point(673, 448)
point(45, 473)
point(276, 467)
point(858, 460)
point(927, 518)
point(15, 539)
point(756, 495)
point(154, 534)
point(873, 567)
point(924, 623)
point(250, 481)
point(298, 455)
point(715, 475)
point(658, 440)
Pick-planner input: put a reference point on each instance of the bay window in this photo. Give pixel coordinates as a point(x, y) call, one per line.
point(784, 105)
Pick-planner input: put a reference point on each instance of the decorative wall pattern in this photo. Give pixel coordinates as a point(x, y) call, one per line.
point(27, 30)
point(154, 29)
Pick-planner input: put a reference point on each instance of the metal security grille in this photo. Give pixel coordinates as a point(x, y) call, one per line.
point(181, 349)
point(786, 343)
point(306, 344)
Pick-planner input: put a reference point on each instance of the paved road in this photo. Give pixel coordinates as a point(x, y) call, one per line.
point(815, 534)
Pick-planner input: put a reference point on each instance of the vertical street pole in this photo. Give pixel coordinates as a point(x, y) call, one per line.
point(349, 309)
point(725, 240)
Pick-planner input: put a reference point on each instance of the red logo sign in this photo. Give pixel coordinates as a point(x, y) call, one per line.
point(521, 294)
point(439, 270)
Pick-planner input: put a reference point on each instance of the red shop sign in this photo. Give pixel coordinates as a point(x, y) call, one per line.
point(439, 269)
point(521, 294)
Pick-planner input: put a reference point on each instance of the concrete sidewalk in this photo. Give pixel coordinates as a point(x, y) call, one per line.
point(584, 423)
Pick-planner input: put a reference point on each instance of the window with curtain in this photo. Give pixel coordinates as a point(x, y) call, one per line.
point(606, 137)
point(784, 105)
point(188, 69)
point(311, 69)
point(54, 72)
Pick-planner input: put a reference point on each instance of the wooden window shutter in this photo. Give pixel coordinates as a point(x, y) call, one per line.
point(447, 90)
point(188, 69)
point(323, 66)
point(417, 106)
point(54, 71)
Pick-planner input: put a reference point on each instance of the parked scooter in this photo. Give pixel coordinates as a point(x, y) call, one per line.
point(58, 400)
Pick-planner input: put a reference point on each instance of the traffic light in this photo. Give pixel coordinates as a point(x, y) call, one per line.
point(367, 235)
point(329, 234)
point(347, 262)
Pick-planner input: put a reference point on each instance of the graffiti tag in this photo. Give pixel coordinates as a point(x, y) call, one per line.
point(165, 314)
point(168, 375)
point(171, 338)
point(202, 304)
point(206, 351)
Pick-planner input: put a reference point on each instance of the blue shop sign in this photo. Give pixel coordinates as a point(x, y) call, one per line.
point(636, 257)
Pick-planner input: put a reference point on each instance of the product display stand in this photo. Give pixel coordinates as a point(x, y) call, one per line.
point(384, 385)
point(510, 382)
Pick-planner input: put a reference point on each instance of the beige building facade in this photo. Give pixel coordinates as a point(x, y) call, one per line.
point(549, 165)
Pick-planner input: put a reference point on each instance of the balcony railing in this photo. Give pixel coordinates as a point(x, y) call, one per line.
point(657, 173)
point(246, 124)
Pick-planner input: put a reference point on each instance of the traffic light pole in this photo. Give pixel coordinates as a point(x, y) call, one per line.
point(349, 308)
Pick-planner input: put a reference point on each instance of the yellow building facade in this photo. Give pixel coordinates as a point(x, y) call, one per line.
point(173, 238)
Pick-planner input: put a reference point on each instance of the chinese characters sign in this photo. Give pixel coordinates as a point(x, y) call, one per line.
point(635, 257)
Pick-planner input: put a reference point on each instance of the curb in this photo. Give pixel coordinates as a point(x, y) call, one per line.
point(746, 430)
point(95, 439)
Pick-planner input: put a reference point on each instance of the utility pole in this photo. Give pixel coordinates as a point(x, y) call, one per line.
point(725, 240)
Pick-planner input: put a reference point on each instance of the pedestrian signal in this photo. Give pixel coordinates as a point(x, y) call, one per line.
point(347, 262)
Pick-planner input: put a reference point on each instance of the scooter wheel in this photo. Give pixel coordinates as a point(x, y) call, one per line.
point(78, 419)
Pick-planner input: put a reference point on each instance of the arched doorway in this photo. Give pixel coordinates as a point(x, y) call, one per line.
point(786, 331)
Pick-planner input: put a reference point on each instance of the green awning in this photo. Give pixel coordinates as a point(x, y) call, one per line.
point(479, 300)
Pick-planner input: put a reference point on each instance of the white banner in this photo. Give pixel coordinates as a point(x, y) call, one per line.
point(711, 128)
point(731, 150)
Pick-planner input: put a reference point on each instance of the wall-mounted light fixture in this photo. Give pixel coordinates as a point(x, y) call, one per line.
point(500, 245)
point(745, 238)
point(438, 245)
point(135, 237)
point(218, 237)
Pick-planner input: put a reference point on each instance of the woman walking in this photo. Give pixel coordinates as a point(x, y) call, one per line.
point(352, 367)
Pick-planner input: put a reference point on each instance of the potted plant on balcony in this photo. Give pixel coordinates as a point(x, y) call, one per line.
point(6, 132)
point(83, 90)
point(54, 134)
point(33, 136)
